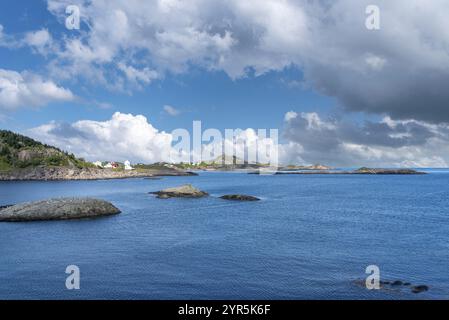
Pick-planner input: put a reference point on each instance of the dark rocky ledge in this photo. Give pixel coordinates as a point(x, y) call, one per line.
point(239, 197)
point(58, 209)
point(396, 285)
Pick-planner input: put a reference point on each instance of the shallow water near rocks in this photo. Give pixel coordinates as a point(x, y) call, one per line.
point(310, 237)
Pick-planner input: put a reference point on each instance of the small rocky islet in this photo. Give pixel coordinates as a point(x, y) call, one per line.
point(397, 285)
point(184, 191)
point(239, 197)
point(58, 209)
point(189, 191)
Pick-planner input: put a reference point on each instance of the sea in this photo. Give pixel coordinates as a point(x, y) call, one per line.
point(310, 237)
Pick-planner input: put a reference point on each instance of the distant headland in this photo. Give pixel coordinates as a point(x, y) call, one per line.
point(22, 158)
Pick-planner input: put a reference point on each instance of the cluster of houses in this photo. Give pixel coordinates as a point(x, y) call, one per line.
point(113, 165)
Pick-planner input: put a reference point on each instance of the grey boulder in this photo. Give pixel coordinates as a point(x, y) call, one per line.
point(58, 209)
point(184, 191)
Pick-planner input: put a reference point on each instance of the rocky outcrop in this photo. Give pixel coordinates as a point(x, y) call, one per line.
point(58, 209)
point(30, 154)
point(63, 173)
point(365, 170)
point(239, 197)
point(184, 191)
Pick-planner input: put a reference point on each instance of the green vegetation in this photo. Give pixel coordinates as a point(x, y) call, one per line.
point(18, 151)
point(154, 166)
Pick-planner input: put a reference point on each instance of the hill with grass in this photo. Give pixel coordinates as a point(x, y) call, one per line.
point(22, 158)
point(19, 152)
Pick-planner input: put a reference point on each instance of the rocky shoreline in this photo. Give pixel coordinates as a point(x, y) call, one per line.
point(358, 171)
point(63, 173)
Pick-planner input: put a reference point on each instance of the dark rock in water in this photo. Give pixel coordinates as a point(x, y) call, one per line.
point(385, 282)
point(58, 209)
point(397, 283)
point(184, 191)
point(406, 284)
point(239, 197)
point(418, 289)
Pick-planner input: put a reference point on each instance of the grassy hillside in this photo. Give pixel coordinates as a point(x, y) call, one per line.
point(18, 151)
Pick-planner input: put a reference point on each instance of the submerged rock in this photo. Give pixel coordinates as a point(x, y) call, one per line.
point(184, 191)
point(58, 209)
point(239, 197)
point(418, 289)
point(396, 285)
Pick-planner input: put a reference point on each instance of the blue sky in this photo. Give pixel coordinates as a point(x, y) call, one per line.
point(338, 92)
point(212, 97)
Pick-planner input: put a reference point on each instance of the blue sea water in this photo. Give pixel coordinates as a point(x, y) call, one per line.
point(311, 237)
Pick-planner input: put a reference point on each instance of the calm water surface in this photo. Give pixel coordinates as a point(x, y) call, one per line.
point(310, 237)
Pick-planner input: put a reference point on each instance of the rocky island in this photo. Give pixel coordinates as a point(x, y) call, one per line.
point(58, 209)
point(184, 191)
point(22, 158)
point(311, 167)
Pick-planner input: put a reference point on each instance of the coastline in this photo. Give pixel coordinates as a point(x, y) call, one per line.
point(362, 171)
point(65, 174)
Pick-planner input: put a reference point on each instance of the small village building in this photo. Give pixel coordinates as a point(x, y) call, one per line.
point(128, 165)
point(108, 166)
point(99, 164)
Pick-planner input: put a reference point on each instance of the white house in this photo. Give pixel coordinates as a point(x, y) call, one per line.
point(128, 165)
point(98, 164)
point(108, 166)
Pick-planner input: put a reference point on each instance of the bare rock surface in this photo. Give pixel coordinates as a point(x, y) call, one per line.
point(58, 209)
point(184, 191)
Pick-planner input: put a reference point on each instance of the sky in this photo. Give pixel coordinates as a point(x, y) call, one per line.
point(340, 93)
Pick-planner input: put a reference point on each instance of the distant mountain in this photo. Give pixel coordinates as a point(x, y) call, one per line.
point(225, 160)
point(311, 167)
point(18, 151)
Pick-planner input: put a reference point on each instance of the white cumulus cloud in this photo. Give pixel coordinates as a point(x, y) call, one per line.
point(29, 90)
point(123, 137)
point(134, 138)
